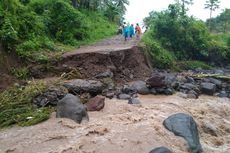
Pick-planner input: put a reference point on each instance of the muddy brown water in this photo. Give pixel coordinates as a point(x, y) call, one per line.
point(124, 128)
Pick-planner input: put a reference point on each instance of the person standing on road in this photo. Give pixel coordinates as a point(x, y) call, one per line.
point(125, 31)
point(131, 31)
point(138, 31)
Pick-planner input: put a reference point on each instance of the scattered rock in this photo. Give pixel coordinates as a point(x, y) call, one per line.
point(140, 87)
point(127, 89)
point(71, 107)
point(124, 96)
point(134, 101)
point(218, 83)
point(168, 91)
point(190, 79)
point(50, 97)
point(79, 86)
point(192, 94)
point(107, 74)
point(161, 150)
point(223, 94)
point(156, 80)
point(183, 125)
point(95, 104)
point(153, 91)
point(208, 88)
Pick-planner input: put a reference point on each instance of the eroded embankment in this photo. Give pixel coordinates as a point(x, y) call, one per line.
point(125, 64)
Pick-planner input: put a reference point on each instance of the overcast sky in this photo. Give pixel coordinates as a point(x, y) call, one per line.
point(139, 9)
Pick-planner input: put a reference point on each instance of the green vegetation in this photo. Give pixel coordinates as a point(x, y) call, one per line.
point(221, 23)
point(16, 106)
point(20, 73)
point(34, 28)
point(192, 65)
point(184, 38)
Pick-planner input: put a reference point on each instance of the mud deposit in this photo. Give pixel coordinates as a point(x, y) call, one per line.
point(123, 128)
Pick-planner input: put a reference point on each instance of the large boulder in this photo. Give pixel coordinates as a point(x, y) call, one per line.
point(96, 103)
point(208, 88)
point(71, 107)
point(50, 97)
point(140, 87)
point(79, 86)
point(160, 150)
point(183, 125)
point(156, 80)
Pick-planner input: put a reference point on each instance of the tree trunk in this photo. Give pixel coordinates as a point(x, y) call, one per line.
point(210, 20)
point(74, 3)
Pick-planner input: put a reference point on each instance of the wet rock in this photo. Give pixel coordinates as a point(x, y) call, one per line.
point(50, 97)
point(175, 85)
point(79, 86)
point(190, 79)
point(124, 96)
point(156, 80)
point(71, 107)
point(223, 94)
point(218, 83)
point(153, 91)
point(183, 125)
point(208, 88)
point(107, 74)
point(190, 86)
point(168, 91)
point(161, 150)
point(110, 95)
point(134, 101)
point(127, 89)
point(209, 128)
point(192, 94)
point(140, 87)
point(95, 104)
point(160, 90)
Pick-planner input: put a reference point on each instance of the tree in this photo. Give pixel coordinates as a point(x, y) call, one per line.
point(183, 4)
point(212, 5)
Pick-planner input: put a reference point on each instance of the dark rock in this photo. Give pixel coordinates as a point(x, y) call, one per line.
point(156, 80)
point(153, 91)
point(50, 97)
point(190, 86)
point(218, 83)
point(175, 85)
point(168, 91)
point(71, 107)
point(223, 94)
point(161, 150)
point(128, 90)
point(95, 104)
point(190, 79)
point(208, 88)
point(79, 86)
point(107, 74)
point(183, 125)
point(134, 101)
point(140, 87)
point(160, 90)
point(124, 96)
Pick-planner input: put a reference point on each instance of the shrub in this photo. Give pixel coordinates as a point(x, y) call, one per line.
point(160, 57)
point(16, 106)
point(192, 65)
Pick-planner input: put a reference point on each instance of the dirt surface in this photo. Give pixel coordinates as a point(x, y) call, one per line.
point(123, 58)
point(7, 62)
point(115, 43)
point(124, 128)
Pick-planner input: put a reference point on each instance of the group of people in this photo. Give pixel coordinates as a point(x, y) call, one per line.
point(129, 31)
